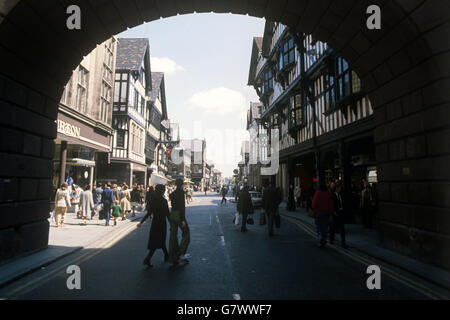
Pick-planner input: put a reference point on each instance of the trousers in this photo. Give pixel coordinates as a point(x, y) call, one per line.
point(177, 249)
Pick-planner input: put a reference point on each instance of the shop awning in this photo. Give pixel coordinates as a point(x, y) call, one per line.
point(80, 162)
point(157, 178)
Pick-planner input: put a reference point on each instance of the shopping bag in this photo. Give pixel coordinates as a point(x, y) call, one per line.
point(52, 214)
point(236, 218)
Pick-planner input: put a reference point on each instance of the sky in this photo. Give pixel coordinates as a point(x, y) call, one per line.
point(206, 60)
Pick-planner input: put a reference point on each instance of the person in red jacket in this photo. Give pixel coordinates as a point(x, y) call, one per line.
point(323, 206)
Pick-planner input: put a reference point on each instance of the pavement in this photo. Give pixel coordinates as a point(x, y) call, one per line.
point(224, 263)
point(63, 241)
point(367, 241)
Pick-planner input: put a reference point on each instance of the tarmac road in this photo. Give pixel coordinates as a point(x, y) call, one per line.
point(224, 264)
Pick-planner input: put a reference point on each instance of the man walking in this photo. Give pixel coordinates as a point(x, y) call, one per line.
point(224, 193)
point(107, 201)
point(337, 223)
point(245, 207)
point(178, 220)
point(270, 202)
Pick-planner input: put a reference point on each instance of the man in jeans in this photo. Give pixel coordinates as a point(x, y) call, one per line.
point(178, 220)
point(107, 201)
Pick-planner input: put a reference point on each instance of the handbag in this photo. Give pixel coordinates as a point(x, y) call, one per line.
point(102, 214)
point(311, 213)
point(250, 220)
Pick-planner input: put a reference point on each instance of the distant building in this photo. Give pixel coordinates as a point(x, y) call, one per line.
point(198, 161)
point(84, 123)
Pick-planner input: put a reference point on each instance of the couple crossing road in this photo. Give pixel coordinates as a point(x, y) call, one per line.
point(158, 208)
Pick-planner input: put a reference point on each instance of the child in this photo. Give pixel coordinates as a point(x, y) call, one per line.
point(116, 211)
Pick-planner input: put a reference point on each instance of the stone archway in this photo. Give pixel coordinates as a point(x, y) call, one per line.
point(405, 67)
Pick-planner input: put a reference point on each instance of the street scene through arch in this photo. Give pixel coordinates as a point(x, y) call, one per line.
point(393, 89)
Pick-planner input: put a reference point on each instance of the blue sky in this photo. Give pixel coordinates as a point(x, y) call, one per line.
point(206, 59)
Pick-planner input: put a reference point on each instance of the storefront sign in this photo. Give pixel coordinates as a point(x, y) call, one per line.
point(68, 129)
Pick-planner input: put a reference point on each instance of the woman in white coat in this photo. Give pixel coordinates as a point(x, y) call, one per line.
point(62, 202)
point(87, 202)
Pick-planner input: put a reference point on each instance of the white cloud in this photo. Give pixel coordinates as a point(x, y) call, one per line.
point(166, 65)
point(219, 101)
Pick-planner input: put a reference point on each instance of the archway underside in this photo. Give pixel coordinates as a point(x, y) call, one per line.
point(404, 67)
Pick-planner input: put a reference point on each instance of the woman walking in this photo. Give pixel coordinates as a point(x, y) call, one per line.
point(62, 202)
point(125, 198)
point(87, 202)
point(159, 210)
point(323, 206)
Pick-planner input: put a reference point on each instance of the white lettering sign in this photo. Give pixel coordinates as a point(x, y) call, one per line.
point(68, 129)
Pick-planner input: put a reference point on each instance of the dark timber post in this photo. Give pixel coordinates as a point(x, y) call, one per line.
point(63, 159)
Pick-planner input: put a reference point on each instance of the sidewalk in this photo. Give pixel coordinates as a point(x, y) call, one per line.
point(366, 241)
point(62, 242)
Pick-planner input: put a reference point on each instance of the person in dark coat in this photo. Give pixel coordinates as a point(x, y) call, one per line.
point(337, 223)
point(159, 210)
point(291, 199)
point(135, 198)
point(245, 207)
point(224, 194)
point(272, 198)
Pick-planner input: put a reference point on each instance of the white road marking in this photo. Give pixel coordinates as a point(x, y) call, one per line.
point(222, 239)
point(236, 296)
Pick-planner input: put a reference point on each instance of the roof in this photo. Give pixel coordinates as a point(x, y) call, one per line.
point(267, 40)
point(157, 78)
point(131, 53)
point(256, 49)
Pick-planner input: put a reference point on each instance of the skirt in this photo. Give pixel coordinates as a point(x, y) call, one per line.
point(125, 204)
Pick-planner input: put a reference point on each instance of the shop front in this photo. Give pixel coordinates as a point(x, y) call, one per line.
point(79, 141)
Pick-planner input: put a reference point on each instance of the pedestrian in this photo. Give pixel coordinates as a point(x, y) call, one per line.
point(323, 207)
point(107, 201)
point(97, 199)
point(115, 190)
point(245, 207)
point(205, 190)
point(158, 209)
point(224, 193)
point(366, 203)
point(75, 196)
point(338, 222)
point(87, 202)
point(178, 220)
point(135, 198)
point(116, 211)
point(62, 202)
point(270, 202)
point(125, 198)
point(291, 199)
point(142, 195)
point(298, 195)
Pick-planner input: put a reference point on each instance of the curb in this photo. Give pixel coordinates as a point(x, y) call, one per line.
point(48, 262)
point(384, 260)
